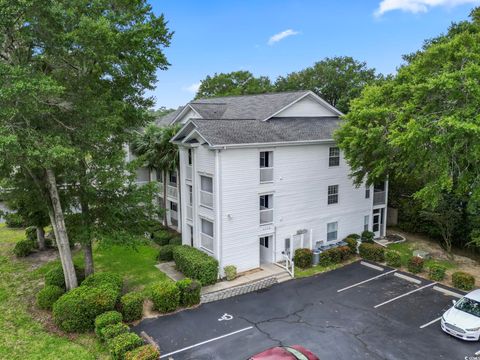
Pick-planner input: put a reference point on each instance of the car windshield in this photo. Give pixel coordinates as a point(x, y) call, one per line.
point(469, 306)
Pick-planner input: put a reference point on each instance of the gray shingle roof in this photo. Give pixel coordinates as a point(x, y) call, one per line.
point(167, 119)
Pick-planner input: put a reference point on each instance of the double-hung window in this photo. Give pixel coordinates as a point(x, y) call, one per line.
point(332, 194)
point(367, 192)
point(333, 156)
point(366, 221)
point(266, 209)
point(206, 191)
point(206, 235)
point(332, 231)
point(266, 166)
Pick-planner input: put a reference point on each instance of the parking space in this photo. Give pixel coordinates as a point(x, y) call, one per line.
point(356, 312)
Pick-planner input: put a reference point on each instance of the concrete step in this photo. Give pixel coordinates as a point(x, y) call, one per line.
point(284, 276)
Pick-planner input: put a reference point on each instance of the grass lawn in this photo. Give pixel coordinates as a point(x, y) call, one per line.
point(406, 251)
point(301, 273)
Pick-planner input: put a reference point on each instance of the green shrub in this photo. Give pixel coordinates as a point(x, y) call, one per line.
point(230, 272)
point(122, 344)
point(76, 310)
point(14, 220)
point(354, 236)
point(303, 258)
point(367, 236)
point(105, 319)
point(436, 272)
point(372, 252)
point(393, 258)
point(145, 352)
point(132, 305)
point(23, 248)
point(166, 253)
point(415, 264)
point(175, 240)
point(196, 264)
point(352, 244)
point(105, 279)
point(48, 295)
point(463, 280)
point(113, 330)
point(31, 233)
point(55, 276)
point(189, 292)
point(344, 252)
point(162, 237)
point(165, 296)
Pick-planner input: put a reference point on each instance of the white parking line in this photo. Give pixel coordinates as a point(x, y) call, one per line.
point(403, 295)
point(430, 323)
point(205, 342)
point(365, 281)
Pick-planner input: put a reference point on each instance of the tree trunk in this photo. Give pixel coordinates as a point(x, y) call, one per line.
point(61, 231)
point(41, 238)
point(165, 220)
point(87, 245)
point(88, 254)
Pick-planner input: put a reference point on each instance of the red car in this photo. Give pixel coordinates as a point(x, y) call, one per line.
point(294, 352)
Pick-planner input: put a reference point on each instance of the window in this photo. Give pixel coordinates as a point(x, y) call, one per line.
point(190, 157)
point(266, 209)
point(160, 202)
point(207, 235)
point(264, 241)
point(143, 174)
point(173, 178)
point(206, 191)
point(367, 192)
point(266, 166)
point(206, 184)
point(190, 195)
point(173, 206)
point(332, 231)
point(366, 220)
point(332, 194)
point(159, 175)
point(334, 156)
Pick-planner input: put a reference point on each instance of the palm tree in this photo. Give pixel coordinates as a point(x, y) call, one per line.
point(159, 153)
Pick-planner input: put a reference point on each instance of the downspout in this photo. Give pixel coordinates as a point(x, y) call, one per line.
point(218, 212)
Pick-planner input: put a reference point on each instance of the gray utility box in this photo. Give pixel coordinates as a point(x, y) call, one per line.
point(316, 257)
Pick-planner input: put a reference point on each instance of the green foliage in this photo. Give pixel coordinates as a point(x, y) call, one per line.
point(122, 344)
point(354, 236)
point(230, 272)
point(166, 252)
point(393, 258)
point(145, 352)
point(415, 264)
point(367, 236)
point(352, 244)
point(373, 252)
point(31, 233)
point(105, 319)
point(165, 296)
point(189, 292)
point(162, 237)
point(176, 240)
point(132, 305)
point(14, 220)
point(105, 279)
point(23, 248)
point(48, 295)
point(335, 255)
point(436, 272)
point(463, 280)
point(55, 276)
point(113, 330)
point(196, 264)
point(303, 258)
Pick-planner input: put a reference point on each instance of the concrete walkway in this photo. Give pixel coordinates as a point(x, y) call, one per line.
point(169, 269)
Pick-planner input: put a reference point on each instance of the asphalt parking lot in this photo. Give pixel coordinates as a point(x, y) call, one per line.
point(355, 312)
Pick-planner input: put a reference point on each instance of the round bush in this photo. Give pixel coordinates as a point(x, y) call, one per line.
point(122, 344)
point(230, 272)
point(372, 252)
point(145, 352)
point(76, 310)
point(165, 296)
point(415, 264)
point(23, 248)
point(189, 292)
point(55, 276)
point(104, 279)
point(463, 280)
point(393, 258)
point(113, 330)
point(437, 272)
point(14, 220)
point(352, 244)
point(166, 253)
point(367, 236)
point(196, 264)
point(162, 237)
point(303, 258)
point(105, 319)
point(48, 295)
point(354, 236)
point(132, 306)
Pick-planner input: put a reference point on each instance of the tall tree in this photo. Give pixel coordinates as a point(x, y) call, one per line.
point(424, 124)
point(338, 80)
point(233, 83)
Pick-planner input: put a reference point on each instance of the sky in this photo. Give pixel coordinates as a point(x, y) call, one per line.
point(276, 37)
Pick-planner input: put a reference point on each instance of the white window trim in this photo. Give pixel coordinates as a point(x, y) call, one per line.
point(336, 238)
point(338, 195)
point(272, 209)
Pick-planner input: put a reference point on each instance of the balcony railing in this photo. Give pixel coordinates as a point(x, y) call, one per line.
point(206, 199)
point(266, 175)
point(172, 191)
point(266, 216)
point(189, 212)
point(206, 242)
point(188, 172)
point(379, 197)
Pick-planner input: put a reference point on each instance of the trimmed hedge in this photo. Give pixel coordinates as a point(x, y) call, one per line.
point(105, 319)
point(122, 344)
point(105, 279)
point(55, 276)
point(335, 255)
point(76, 310)
point(415, 264)
point(393, 258)
point(48, 295)
point(463, 280)
point(367, 236)
point(372, 252)
point(354, 236)
point(352, 244)
point(145, 352)
point(132, 306)
point(303, 258)
point(165, 296)
point(23, 248)
point(230, 272)
point(196, 264)
point(162, 237)
point(166, 253)
point(113, 330)
point(436, 272)
point(189, 292)
point(175, 240)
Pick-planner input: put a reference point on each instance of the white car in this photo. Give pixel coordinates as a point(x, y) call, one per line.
point(463, 319)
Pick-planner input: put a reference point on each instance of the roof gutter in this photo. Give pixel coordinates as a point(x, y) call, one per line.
point(280, 143)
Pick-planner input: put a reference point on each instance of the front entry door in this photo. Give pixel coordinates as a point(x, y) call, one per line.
point(376, 222)
point(266, 245)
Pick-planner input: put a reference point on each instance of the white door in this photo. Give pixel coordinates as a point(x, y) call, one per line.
point(266, 245)
point(376, 226)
